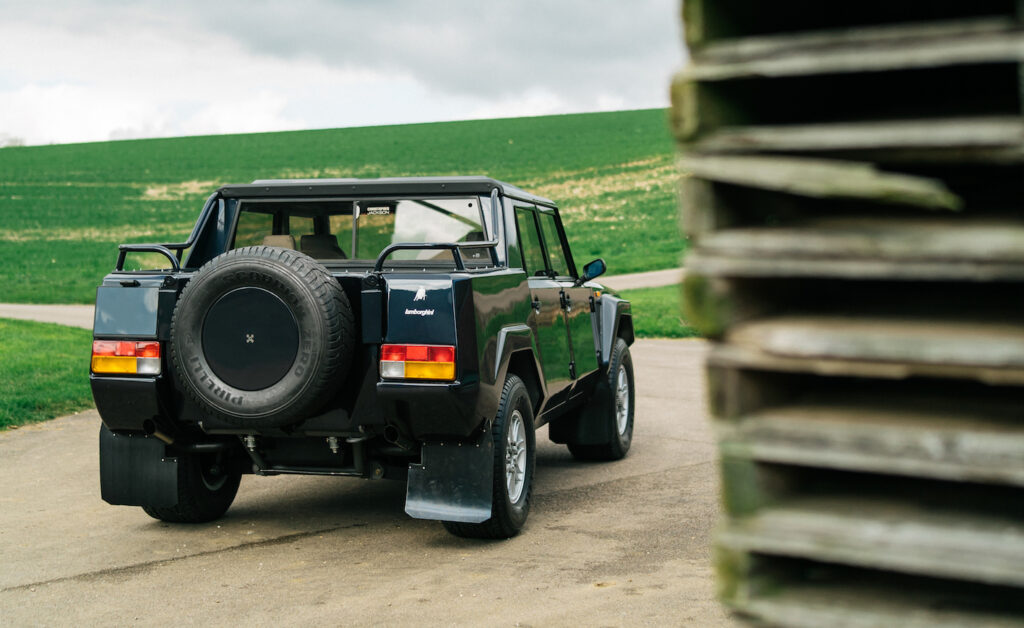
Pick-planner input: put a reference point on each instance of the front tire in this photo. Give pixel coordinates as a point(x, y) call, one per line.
point(515, 447)
point(206, 488)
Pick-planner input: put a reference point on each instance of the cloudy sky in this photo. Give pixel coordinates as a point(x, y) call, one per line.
point(86, 70)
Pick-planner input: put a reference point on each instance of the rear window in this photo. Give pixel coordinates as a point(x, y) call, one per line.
point(332, 230)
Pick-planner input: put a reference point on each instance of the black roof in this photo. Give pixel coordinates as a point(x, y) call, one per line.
point(379, 187)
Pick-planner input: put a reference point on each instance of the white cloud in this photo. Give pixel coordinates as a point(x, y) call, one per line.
point(102, 69)
point(74, 113)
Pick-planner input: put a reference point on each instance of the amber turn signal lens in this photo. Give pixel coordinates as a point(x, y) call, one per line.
point(434, 362)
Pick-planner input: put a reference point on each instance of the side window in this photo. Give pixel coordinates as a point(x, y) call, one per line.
point(252, 228)
point(529, 242)
point(556, 256)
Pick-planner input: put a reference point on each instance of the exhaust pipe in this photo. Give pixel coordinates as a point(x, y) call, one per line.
point(394, 436)
point(149, 427)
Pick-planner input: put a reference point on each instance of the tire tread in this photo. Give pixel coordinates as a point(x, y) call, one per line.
point(335, 311)
point(499, 526)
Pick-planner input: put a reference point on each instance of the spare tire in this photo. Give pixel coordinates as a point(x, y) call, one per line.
point(261, 337)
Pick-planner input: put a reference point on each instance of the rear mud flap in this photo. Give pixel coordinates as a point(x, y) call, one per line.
point(453, 481)
point(134, 471)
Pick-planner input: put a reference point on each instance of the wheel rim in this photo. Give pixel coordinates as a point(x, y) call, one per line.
point(622, 400)
point(212, 474)
point(515, 457)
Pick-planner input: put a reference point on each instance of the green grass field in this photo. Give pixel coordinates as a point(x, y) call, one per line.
point(64, 209)
point(44, 371)
point(656, 312)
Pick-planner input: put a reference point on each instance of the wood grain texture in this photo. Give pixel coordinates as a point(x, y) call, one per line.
point(822, 178)
point(960, 443)
point(887, 534)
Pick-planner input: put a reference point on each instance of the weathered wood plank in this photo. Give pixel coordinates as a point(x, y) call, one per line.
point(823, 179)
point(710, 22)
point(735, 49)
point(967, 48)
point(964, 442)
point(900, 340)
point(715, 265)
point(815, 517)
point(921, 240)
point(887, 534)
point(748, 357)
point(867, 603)
point(999, 139)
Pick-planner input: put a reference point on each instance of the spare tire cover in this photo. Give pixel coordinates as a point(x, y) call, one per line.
point(261, 337)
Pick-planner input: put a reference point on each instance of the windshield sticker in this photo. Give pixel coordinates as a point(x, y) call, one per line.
point(378, 211)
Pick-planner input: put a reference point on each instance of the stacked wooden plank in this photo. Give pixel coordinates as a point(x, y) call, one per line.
point(856, 209)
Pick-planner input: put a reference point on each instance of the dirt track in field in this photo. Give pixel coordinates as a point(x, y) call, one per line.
point(625, 543)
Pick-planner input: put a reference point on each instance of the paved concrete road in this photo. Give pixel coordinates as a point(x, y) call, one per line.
point(72, 315)
point(651, 279)
point(624, 543)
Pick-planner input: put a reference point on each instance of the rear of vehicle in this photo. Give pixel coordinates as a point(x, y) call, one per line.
point(325, 328)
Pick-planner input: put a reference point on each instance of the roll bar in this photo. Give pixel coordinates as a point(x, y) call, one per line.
point(166, 249)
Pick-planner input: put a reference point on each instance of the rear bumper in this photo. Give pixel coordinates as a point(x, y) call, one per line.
point(431, 409)
point(426, 410)
point(125, 403)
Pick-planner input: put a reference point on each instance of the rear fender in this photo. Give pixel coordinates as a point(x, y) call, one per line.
point(516, 344)
point(132, 306)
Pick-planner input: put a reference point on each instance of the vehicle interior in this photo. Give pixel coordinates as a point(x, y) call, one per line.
point(352, 233)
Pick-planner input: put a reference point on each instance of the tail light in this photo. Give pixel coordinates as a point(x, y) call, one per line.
point(126, 357)
point(435, 362)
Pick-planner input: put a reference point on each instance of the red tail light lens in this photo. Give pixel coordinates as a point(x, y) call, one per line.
point(126, 357)
point(436, 362)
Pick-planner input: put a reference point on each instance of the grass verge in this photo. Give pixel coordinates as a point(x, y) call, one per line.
point(43, 371)
point(657, 312)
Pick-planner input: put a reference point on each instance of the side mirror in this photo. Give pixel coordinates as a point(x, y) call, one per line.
point(593, 270)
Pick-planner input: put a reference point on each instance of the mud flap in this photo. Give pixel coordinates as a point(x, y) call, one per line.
point(135, 471)
point(454, 481)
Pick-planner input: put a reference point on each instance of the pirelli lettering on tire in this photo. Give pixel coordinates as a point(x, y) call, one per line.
point(305, 328)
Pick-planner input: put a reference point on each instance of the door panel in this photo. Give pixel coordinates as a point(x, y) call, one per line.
point(547, 317)
point(575, 301)
point(581, 330)
point(552, 342)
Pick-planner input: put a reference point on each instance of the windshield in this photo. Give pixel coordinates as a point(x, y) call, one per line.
point(333, 230)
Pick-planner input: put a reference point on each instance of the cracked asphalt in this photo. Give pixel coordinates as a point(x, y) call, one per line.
point(624, 543)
